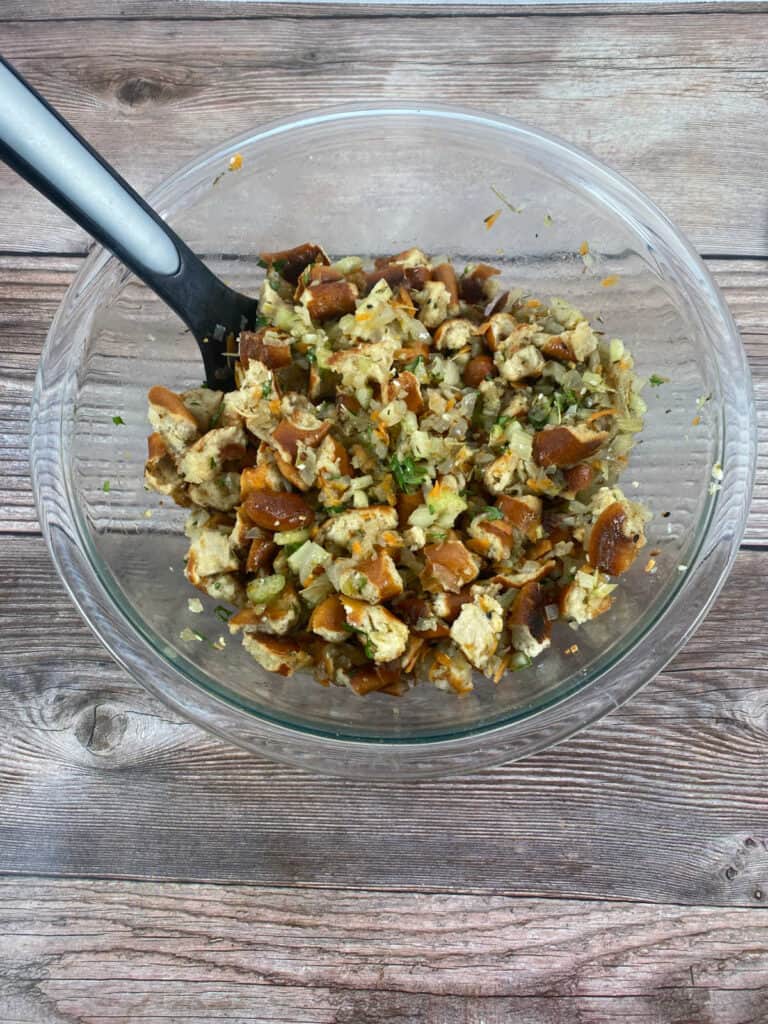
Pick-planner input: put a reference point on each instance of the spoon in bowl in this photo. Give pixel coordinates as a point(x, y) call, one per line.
point(47, 152)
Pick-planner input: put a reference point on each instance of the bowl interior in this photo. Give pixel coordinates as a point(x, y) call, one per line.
point(371, 184)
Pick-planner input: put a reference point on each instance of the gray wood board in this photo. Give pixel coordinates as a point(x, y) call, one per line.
point(675, 101)
point(92, 952)
point(663, 801)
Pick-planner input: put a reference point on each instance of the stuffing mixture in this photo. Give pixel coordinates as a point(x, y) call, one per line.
point(416, 475)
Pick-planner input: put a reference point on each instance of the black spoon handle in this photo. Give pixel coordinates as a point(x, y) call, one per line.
point(40, 146)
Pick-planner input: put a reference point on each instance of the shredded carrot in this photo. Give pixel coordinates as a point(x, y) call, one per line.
point(584, 248)
point(501, 669)
point(491, 219)
point(573, 649)
point(274, 406)
point(610, 281)
point(599, 413)
point(363, 316)
point(696, 421)
point(356, 547)
point(533, 303)
point(236, 162)
point(650, 565)
point(539, 485)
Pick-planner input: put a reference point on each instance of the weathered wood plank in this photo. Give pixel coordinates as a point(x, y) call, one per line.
point(88, 952)
point(601, 81)
point(663, 801)
point(50, 10)
point(32, 287)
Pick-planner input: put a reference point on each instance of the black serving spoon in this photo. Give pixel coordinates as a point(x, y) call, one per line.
point(38, 143)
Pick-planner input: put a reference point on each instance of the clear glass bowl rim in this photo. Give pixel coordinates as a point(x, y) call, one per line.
point(690, 600)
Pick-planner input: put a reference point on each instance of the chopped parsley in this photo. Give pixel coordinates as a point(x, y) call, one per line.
point(538, 414)
point(212, 462)
point(217, 414)
point(333, 510)
point(105, 487)
point(565, 400)
point(118, 421)
point(409, 475)
point(222, 613)
point(490, 512)
point(266, 389)
point(656, 381)
point(414, 364)
point(311, 356)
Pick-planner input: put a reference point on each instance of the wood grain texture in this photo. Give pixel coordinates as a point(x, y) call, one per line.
point(177, 10)
point(663, 801)
point(90, 952)
point(567, 889)
point(676, 101)
point(32, 287)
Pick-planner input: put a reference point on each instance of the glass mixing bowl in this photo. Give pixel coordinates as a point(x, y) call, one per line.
point(372, 181)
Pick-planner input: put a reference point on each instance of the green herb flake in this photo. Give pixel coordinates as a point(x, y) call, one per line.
point(414, 364)
point(217, 414)
point(212, 462)
point(368, 648)
point(266, 390)
point(118, 421)
point(409, 475)
point(311, 356)
point(261, 263)
point(656, 381)
point(334, 510)
point(105, 487)
point(491, 513)
point(222, 613)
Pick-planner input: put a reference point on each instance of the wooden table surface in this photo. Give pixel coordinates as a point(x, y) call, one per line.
point(150, 873)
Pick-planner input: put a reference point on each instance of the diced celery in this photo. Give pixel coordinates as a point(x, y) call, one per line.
point(266, 589)
point(291, 537)
point(518, 439)
point(306, 559)
point(615, 349)
point(347, 264)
